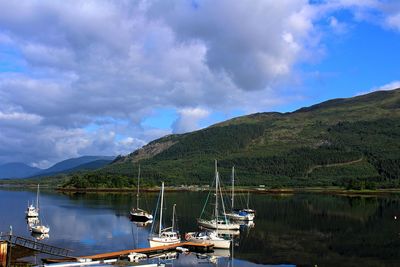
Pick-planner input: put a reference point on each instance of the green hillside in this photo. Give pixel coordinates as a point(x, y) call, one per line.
point(353, 143)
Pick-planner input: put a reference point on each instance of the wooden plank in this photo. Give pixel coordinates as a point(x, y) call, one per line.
point(3, 254)
point(117, 254)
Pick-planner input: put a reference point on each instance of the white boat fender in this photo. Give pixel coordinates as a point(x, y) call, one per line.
point(135, 257)
point(84, 260)
point(182, 249)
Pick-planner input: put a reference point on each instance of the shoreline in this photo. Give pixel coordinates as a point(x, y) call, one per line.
point(193, 188)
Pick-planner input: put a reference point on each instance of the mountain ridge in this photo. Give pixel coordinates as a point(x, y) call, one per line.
point(21, 170)
point(16, 170)
point(351, 142)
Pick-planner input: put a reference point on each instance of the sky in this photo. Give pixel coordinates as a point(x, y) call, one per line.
point(106, 77)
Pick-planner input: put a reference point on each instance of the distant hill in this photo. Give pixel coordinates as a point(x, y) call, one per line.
point(21, 170)
point(17, 170)
point(352, 142)
point(75, 164)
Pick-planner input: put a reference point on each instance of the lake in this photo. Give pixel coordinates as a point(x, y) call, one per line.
point(289, 230)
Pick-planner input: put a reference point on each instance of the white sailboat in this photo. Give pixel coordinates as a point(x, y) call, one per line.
point(37, 227)
point(40, 229)
point(247, 209)
point(239, 214)
point(165, 236)
point(138, 214)
point(31, 221)
point(32, 211)
point(216, 222)
point(208, 237)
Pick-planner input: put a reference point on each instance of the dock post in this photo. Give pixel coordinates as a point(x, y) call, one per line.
point(3, 253)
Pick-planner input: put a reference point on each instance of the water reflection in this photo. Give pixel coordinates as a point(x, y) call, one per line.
point(306, 229)
point(40, 236)
point(31, 221)
point(141, 224)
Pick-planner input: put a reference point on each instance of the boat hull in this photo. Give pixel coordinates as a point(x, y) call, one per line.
point(40, 229)
point(140, 217)
point(239, 217)
point(158, 242)
point(31, 214)
point(217, 243)
point(223, 226)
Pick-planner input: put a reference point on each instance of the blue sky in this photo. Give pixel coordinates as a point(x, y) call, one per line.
point(106, 77)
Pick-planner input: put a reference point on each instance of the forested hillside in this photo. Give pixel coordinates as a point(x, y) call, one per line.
point(353, 143)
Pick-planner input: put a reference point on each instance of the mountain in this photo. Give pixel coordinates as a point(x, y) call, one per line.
point(350, 142)
point(75, 164)
point(17, 170)
point(85, 163)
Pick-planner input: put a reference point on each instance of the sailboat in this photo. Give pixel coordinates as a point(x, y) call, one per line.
point(138, 214)
point(208, 237)
point(32, 211)
point(239, 214)
point(165, 236)
point(39, 228)
point(247, 209)
point(216, 222)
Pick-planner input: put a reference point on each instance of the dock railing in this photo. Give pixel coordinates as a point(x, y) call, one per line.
point(34, 245)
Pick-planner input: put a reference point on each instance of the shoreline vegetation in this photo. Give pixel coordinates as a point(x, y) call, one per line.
point(196, 188)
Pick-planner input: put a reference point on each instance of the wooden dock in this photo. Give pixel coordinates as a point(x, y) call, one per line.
point(160, 249)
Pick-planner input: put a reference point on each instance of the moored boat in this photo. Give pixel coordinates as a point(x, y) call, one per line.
point(138, 214)
point(165, 236)
point(40, 229)
point(246, 214)
point(34, 224)
point(208, 237)
point(217, 221)
point(31, 210)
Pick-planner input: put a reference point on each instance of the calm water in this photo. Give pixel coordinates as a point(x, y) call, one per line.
point(301, 230)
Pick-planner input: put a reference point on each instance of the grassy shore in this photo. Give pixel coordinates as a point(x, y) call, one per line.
point(193, 188)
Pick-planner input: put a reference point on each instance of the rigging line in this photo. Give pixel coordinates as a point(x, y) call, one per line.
point(222, 196)
point(208, 196)
point(155, 214)
point(223, 206)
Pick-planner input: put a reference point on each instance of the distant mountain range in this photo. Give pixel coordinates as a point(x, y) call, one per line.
point(352, 142)
point(21, 170)
point(17, 170)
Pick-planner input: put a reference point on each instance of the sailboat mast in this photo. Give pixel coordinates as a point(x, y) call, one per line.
point(137, 193)
point(216, 195)
point(161, 209)
point(37, 198)
point(233, 186)
point(173, 217)
point(248, 196)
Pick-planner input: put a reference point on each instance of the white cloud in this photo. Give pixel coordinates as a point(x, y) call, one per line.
point(245, 40)
point(393, 21)
point(386, 87)
point(337, 26)
point(189, 119)
point(19, 117)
